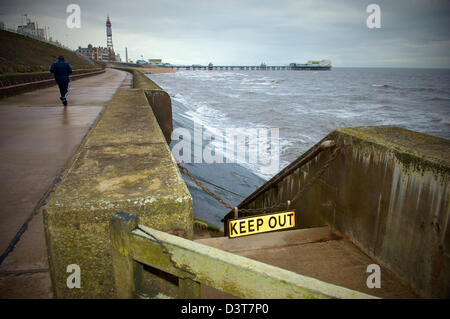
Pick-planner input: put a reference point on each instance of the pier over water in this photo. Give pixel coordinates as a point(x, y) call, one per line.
point(248, 68)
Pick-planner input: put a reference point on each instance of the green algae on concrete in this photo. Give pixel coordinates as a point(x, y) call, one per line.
point(141, 81)
point(124, 165)
point(388, 192)
point(418, 151)
point(194, 263)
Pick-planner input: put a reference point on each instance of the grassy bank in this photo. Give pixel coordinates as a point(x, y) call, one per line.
point(20, 54)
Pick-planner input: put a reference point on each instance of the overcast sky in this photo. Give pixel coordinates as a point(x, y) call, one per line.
point(413, 33)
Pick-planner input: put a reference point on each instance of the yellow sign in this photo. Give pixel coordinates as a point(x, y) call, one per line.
point(260, 224)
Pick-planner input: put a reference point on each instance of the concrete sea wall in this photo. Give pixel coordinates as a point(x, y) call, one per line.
point(124, 164)
point(158, 99)
point(388, 192)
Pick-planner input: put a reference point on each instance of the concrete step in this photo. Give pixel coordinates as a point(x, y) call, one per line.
point(314, 252)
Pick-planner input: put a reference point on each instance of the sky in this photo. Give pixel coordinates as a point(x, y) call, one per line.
point(412, 33)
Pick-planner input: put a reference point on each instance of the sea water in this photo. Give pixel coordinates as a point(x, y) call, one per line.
point(304, 106)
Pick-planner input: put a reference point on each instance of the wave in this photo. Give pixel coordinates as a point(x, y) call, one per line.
point(219, 126)
point(258, 81)
point(420, 89)
point(382, 85)
point(281, 94)
point(438, 98)
point(388, 86)
point(300, 103)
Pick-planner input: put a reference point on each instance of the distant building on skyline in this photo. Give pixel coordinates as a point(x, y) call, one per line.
point(157, 62)
point(100, 53)
point(31, 28)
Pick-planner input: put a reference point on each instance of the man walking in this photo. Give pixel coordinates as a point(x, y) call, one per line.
point(62, 70)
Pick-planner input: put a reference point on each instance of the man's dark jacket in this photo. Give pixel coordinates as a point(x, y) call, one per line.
point(61, 70)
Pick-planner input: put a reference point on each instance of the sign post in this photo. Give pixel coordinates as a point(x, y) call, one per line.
point(245, 226)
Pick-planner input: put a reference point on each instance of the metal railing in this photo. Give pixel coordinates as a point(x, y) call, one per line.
point(10, 81)
point(134, 246)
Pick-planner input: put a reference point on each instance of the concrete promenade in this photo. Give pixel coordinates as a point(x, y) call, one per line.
point(38, 137)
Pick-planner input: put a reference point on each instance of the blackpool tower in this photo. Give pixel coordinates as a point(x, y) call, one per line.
point(109, 44)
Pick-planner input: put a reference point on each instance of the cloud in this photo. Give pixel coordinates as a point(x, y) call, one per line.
point(414, 33)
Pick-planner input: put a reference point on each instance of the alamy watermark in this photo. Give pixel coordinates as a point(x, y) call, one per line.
point(374, 279)
point(73, 21)
point(374, 19)
point(74, 279)
point(256, 146)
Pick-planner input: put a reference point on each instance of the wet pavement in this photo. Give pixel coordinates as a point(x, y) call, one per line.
point(38, 137)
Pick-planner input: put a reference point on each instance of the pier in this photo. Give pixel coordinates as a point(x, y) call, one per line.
point(247, 68)
point(230, 68)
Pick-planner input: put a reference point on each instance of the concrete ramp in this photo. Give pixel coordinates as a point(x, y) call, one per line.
point(314, 252)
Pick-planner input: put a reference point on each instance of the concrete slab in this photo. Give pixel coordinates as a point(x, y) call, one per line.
point(335, 261)
point(313, 252)
point(124, 165)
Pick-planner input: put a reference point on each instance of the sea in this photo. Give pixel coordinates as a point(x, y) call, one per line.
point(302, 106)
